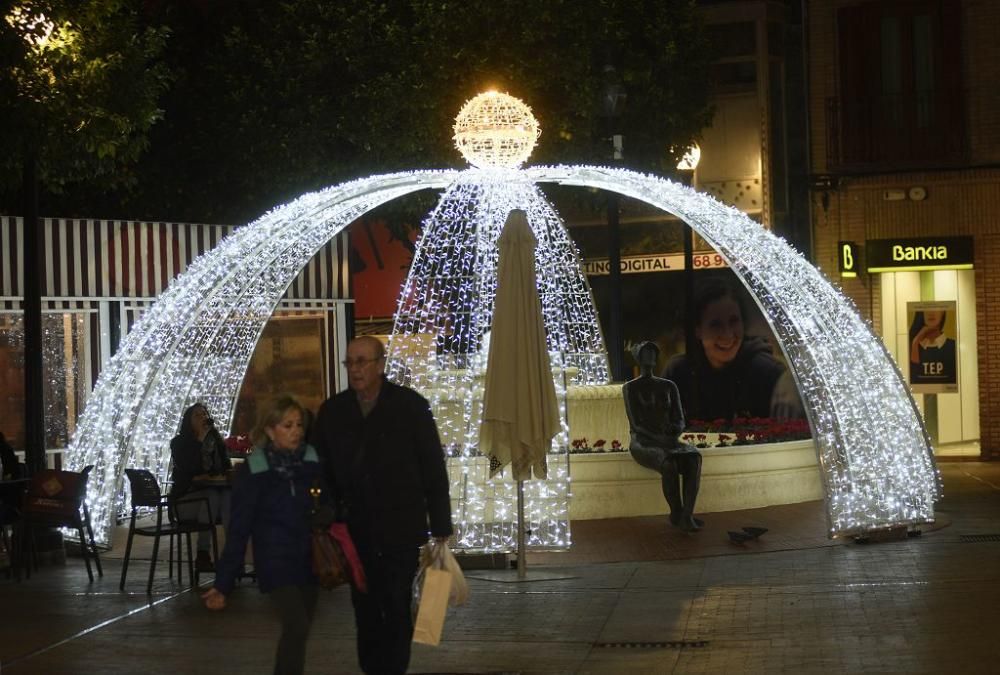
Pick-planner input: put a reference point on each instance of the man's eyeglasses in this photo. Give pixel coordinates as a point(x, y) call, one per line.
point(351, 363)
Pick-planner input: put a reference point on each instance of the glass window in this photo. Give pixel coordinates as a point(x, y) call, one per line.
point(12, 379)
point(740, 76)
point(923, 69)
point(775, 38)
point(728, 40)
point(906, 106)
point(288, 359)
point(65, 354)
point(891, 71)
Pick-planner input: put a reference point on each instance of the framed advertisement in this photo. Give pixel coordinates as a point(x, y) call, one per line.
point(933, 340)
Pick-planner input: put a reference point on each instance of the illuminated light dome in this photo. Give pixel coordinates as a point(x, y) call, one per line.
point(195, 343)
point(495, 130)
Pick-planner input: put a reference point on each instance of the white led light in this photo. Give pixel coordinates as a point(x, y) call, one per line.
point(495, 130)
point(195, 342)
point(875, 457)
point(439, 346)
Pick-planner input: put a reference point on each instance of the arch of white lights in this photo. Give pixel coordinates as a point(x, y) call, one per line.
point(195, 343)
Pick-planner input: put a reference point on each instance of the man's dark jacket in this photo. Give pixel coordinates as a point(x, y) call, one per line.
point(387, 469)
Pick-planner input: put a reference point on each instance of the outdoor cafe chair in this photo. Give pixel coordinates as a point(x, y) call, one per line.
point(57, 499)
point(146, 495)
point(85, 473)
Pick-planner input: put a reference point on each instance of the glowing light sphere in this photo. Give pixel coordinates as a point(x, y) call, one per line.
point(494, 130)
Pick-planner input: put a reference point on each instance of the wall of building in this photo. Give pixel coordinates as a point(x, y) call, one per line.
point(962, 192)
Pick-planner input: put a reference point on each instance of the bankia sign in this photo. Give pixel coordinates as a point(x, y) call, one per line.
point(919, 254)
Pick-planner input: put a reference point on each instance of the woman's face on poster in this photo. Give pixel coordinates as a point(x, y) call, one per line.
point(933, 317)
point(720, 331)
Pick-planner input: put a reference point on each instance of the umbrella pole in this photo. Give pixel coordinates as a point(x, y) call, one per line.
point(522, 570)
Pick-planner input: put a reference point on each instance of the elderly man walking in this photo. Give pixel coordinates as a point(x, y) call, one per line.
point(384, 460)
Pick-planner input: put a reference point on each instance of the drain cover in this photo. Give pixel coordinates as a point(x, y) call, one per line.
point(977, 538)
point(667, 644)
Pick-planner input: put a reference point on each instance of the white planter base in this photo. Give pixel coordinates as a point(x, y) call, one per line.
point(612, 485)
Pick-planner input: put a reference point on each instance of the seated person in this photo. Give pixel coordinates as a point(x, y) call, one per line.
point(656, 419)
point(198, 452)
point(729, 375)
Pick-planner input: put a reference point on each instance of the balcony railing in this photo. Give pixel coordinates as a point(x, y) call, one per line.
point(901, 131)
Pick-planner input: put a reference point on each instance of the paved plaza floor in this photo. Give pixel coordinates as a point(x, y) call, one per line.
point(640, 598)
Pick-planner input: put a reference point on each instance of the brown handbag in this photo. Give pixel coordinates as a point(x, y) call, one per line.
point(329, 563)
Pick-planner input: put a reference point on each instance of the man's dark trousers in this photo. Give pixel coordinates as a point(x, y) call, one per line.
point(383, 615)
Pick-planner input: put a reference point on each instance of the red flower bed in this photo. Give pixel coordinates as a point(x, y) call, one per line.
point(746, 431)
point(581, 446)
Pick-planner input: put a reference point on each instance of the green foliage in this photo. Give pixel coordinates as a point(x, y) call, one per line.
point(80, 91)
point(274, 99)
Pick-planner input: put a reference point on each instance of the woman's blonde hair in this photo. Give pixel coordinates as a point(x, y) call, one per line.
point(271, 416)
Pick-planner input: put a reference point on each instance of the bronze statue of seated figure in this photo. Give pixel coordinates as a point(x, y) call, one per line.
point(656, 419)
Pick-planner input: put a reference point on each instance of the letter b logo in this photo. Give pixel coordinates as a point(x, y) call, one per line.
point(848, 259)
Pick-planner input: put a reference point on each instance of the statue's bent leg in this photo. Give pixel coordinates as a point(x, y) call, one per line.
point(690, 469)
point(670, 481)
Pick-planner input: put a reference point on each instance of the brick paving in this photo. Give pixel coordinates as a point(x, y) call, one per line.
point(641, 598)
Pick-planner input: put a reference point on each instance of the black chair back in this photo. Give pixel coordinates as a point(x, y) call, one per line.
point(145, 489)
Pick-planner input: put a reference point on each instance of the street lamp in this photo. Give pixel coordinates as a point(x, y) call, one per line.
point(689, 162)
point(612, 105)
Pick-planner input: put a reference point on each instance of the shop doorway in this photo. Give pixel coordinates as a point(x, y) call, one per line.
point(951, 417)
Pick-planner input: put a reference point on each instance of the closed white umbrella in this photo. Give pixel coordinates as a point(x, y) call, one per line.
point(520, 411)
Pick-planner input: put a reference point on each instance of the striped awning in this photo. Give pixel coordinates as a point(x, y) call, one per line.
point(88, 259)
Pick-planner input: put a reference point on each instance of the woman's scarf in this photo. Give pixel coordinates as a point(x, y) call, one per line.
point(286, 464)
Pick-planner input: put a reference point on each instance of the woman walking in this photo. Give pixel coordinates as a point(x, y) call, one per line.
point(272, 503)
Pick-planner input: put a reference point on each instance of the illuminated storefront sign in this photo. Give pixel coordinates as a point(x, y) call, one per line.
point(926, 253)
point(848, 257)
point(702, 260)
